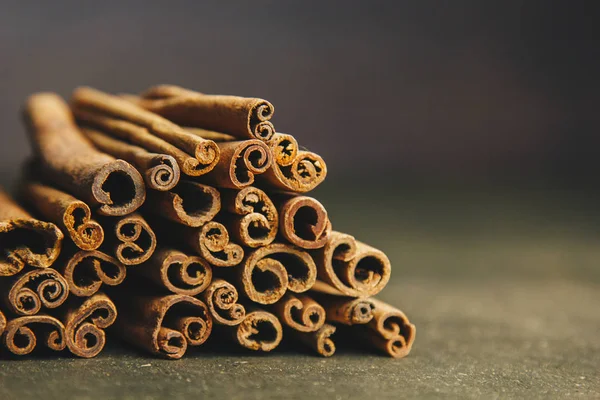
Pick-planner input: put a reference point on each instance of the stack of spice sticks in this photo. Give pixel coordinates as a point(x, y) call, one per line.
point(162, 218)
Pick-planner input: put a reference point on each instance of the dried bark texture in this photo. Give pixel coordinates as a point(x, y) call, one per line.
point(85, 321)
point(299, 312)
point(293, 169)
point(28, 292)
point(20, 334)
point(267, 272)
point(164, 326)
point(130, 239)
point(121, 118)
point(221, 298)
point(319, 340)
point(160, 171)
point(252, 217)
point(259, 331)
point(87, 271)
point(71, 162)
point(240, 162)
point(189, 203)
point(344, 310)
point(175, 272)
point(303, 221)
point(242, 117)
point(351, 267)
point(71, 215)
point(211, 242)
point(2, 323)
point(206, 134)
point(24, 240)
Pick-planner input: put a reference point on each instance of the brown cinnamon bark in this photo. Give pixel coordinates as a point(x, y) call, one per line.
point(221, 298)
point(160, 171)
point(129, 239)
point(71, 162)
point(259, 331)
point(267, 272)
point(252, 217)
point(189, 203)
point(240, 162)
point(24, 240)
point(303, 221)
point(242, 117)
point(203, 133)
point(126, 120)
point(293, 169)
point(352, 268)
point(71, 215)
point(319, 340)
point(164, 326)
point(87, 271)
point(342, 309)
point(2, 323)
point(299, 312)
point(85, 321)
point(20, 338)
point(175, 272)
point(28, 292)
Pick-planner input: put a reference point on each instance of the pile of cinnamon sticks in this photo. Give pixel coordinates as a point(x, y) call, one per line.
point(165, 218)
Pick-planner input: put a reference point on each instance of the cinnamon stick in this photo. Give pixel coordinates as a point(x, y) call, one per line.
point(24, 240)
point(126, 120)
point(350, 267)
point(165, 325)
point(319, 340)
point(221, 298)
point(129, 239)
point(299, 312)
point(20, 334)
point(344, 310)
point(303, 221)
point(242, 117)
point(259, 331)
point(85, 321)
point(70, 214)
point(160, 171)
point(72, 163)
point(2, 323)
point(175, 272)
point(30, 290)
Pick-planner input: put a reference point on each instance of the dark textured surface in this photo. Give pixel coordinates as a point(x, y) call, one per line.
point(503, 288)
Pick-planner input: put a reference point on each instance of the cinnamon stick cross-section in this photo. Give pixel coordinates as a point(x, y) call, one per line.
point(319, 340)
point(299, 312)
point(71, 162)
point(342, 309)
point(24, 240)
point(221, 298)
point(70, 214)
point(303, 221)
point(259, 331)
point(130, 239)
point(20, 334)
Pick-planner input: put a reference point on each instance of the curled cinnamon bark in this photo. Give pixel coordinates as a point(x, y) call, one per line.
point(242, 117)
point(253, 217)
point(87, 271)
point(25, 240)
point(390, 330)
point(72, 163)
point(303, 221)
point(240, 162)
point(28, 292)
point(259, 331)
point(20, 334)
point(267, 272)
point(132, 240)
point(319, 340)
point(176, 272)
point(126, 120)
point(85, 321)
point(221, 298)
point(351, 267)
point(164, 326)
point(189, 203)
point(2, 323)
point(292, 169)
point(342, 309)
point(70, 214)
point(300, 312)
point(160, 171)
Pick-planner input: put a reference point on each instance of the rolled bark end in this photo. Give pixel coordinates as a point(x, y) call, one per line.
point(250, 158)
point(86, 233)
point(264, 281)
point(300, 313)
point(390, 330)
point(164, 174)
point(304, 222)
point(185, 274)
point(36, 289)
point(259, 124)
point(171, 343)
point(320, 340)
point(216, 248)
point(207, 153)
point(86, 271)
point(20, 337)
point(221, 299)
point(260, 331)
point(138, 240)
point(118, 188)
point(255, 219)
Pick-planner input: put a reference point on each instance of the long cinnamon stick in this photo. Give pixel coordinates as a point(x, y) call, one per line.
point(319, 340)
point(70, 214)
point(72, 163)
point(242, 117)
point(350, 267)
point(160, 171)
point(126, 120)
point(30, 290)
point(129, 239)
point(24, 240)
point(20, 338)
point(299, 312)
point(303, 221)
point(341, 309)
point(221, 298)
